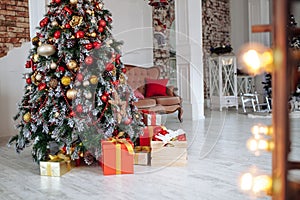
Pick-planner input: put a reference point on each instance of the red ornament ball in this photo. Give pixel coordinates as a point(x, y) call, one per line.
point(79, 77)
point(104, 98)
point(109, 19)
point(72, 114)
point(97, 45)
point(29, 64)
point(68, 26)
point(100, 29)
point(56, 34)
point(28, 81)
point(41, 86)
point(102, 23)
point(124, 70)
point(89, 46)
point(89, 60)
point(68, 10)
point(57, 1)
point(44, 22)
point(79, 34)
point(116, 83)
point(109, 67)
point(79, 108)
point(34, 68)
point(61, 69)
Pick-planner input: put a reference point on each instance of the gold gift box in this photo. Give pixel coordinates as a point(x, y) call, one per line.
point(54, 168)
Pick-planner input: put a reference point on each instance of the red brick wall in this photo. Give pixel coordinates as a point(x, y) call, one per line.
point(14, 24)
point(216, 24)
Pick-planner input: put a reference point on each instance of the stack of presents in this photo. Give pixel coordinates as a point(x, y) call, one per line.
point(157, 147)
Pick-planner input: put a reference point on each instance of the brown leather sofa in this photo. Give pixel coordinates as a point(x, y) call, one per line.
point(158, 104)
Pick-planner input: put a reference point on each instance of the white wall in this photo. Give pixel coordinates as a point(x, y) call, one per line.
point(132, 23)
point(11, 87)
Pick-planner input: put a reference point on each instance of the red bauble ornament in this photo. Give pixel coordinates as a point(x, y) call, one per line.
point(117, 59)
point(104, 98)
point(72, 113)
point(44, 22)
point(79, 77)
point(61, 69)
point(100, 29)
point(102, 23)
point(89, 46)
point(41, 86)
point(28, 81)
point(96, 45)
point(106, 94)
point(56, 34)
point(109, 67)
point(79, 34)
point(79, 108)
point(89, 60)
point(109, 19)
point(116, 83)
point(33, 67)
point(68, 10)
point(57, 1)
point(68, 26)
point(128, 121)
point(124, 70)
point(29, 64)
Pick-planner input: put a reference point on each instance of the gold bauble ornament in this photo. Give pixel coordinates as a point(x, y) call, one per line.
point(86, 83)
point(56, 114)
point(72, 65)
point(66, 80)
point(54, 23)
point(71, 94)
point(73, 1)
point(53, 83)
point(122, 79)
point(93, 79)
point(35, 58)
point(38, 77)
point(27, 117)
point(35, 41)
point(88, 95)
point(53, 65)
point(76, 20)
point(46, 50)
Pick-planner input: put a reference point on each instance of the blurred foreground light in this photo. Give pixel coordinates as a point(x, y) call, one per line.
point(258, 185)
point(261, 129)
point(255, 59)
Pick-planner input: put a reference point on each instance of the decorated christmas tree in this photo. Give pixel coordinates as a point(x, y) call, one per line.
point(76, 92)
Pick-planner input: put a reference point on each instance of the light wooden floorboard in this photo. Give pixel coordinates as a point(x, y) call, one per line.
point(217, 156)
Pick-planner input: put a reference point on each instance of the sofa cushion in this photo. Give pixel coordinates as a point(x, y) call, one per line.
point(156, 87)
point(167, 100)
point(145, 103)
point(138, 94)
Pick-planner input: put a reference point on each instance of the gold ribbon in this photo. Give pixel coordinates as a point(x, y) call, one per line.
point(59, 157)
point(145, 149)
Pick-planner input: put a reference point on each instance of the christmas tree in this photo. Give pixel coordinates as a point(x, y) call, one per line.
point(76, 92)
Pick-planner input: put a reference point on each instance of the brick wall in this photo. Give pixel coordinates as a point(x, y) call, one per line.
point(14, 24)
point(216, 24)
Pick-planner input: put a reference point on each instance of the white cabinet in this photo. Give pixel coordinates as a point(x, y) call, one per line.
point(223, 82)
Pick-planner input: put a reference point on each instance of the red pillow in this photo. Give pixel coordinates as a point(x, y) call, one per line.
point(138, 94)
point(156, 87)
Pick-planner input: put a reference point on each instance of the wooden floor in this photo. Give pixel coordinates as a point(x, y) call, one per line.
point(217, 156)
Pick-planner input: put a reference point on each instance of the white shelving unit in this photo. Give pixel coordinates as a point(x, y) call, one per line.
point(246, 84)
point(223, 82)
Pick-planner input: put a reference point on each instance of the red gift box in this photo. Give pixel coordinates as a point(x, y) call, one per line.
point(117, 157)
point(149, 132)
point(153, 119)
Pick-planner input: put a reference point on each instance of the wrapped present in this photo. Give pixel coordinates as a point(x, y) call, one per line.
point(153, 119)
point(148, 133)
point(142, 155)
point(57, 166)
point(171, 150)
point(117, 157)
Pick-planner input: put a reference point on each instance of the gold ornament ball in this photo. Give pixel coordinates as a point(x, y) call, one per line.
point(72, 65)
point(93, 79)
point(54, 23)
point(46, 50)
point(86, 83)
point(38, 77)
point(56, 114)
point(35, 41)
point(73, 1)
point(27, 117)
point(66, 80)
point(53, 83)
point(35, 57)
point(93, 34)
point(71, 94)
point(88, 95)
point(53, 65)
